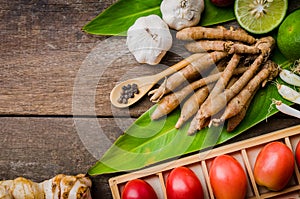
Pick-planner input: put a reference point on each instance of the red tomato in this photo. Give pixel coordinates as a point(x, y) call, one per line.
point(138, 189)
point(228, 178)
point(297, 153)
point(274, 166)
point(182, 183)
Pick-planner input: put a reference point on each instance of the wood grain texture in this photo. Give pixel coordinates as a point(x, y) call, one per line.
point(51, 71)
point(43, 50)
point(40, 147)
point(51, 84)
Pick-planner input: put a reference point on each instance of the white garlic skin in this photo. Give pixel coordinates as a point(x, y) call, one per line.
point(179, 14)
point(148, 39)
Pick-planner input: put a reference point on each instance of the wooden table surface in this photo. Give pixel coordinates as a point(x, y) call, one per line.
point(54, 90)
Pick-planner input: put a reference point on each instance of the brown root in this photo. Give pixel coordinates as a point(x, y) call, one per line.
point(198, 32)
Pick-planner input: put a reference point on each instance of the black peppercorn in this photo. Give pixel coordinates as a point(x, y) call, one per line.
point(128, 91)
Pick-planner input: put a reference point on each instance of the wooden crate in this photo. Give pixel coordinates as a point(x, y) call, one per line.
point(244, 151)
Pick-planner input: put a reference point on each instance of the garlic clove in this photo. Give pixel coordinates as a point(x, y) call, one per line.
point(148, 39)
point(286, 109)
point(290, 77)
point(288, 93)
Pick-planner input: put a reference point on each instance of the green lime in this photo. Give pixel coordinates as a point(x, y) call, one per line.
point(260, 16)
point(288, 39)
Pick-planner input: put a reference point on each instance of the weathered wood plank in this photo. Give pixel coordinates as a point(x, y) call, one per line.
point(45, 84)
point(39, 148)
point(48, 84)
point(42, 51)
point(33, 26)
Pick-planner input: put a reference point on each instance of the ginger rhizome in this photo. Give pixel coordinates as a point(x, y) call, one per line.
point(195, 33)
point(225, 55)
point(189, 72)
point(59, 187)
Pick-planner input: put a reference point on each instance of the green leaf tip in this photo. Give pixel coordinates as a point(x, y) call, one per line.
point(116, 19)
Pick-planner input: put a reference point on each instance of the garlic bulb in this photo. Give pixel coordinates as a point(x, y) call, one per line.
point(148, 39)
point(179, 14)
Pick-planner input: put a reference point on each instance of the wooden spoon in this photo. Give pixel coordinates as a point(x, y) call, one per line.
point(145, 83)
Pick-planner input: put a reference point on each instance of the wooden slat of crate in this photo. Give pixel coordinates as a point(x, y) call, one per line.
point(240, 147)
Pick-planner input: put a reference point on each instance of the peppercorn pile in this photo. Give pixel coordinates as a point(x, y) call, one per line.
point(128, 91)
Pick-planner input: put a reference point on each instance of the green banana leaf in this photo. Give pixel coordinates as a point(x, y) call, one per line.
point(116, 19)
point(148, 142)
